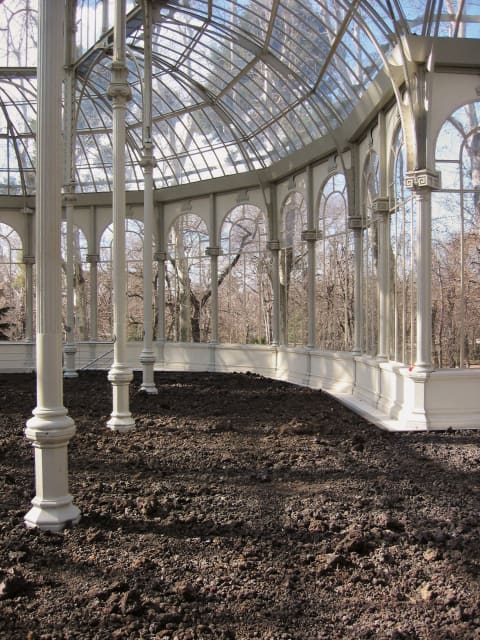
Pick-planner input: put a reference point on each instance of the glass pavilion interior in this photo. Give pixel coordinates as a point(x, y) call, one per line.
point(290, 187)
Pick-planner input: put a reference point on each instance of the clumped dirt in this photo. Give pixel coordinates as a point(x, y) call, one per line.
point(240, 509)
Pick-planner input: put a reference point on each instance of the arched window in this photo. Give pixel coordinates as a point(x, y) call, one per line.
point(18, 45)
point(187, 281)
point(456, 241)
point(334, 262)
point(244, 276)
point(134, 256)
point(12, 285)
point(293, 271)
point(81, 280)
point(402, 258)
point(369, 283)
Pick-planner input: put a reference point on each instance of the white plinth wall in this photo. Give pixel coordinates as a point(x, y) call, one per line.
point(387, 393)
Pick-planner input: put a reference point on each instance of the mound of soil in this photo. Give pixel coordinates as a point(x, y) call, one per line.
point(240, 509)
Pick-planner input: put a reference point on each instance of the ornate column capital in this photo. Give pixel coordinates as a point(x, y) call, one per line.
point(213, 252)
point(69, 198)
point(93, 258)
point(148, 161)
point(423, 179)
point(355, 223)
point(160, 256)
point(28, 259)
point(273, 245)
point(381, 204)
point(311, 235)
point(119, 90)
point(380, 208)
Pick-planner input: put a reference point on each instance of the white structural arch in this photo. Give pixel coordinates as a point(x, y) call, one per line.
point(352, 127)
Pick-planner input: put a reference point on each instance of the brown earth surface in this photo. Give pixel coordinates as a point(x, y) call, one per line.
point(239, 509)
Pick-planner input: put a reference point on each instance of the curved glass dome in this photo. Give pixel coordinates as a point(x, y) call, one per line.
point(237, 84)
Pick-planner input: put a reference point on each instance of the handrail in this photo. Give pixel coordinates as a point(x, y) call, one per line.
point(102, 355)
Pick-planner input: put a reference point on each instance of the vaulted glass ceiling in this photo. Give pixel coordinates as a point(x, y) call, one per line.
point(237, 84)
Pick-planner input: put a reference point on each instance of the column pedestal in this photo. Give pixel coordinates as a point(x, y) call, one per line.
point(120, 419)
point(49, 431)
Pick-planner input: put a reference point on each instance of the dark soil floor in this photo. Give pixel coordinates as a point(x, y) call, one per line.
point(240, 508)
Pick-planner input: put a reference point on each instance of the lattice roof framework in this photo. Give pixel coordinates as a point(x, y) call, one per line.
point(237, 84)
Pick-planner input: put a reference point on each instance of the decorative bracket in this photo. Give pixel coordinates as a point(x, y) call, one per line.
point(423, 179)
point(311, 235)
point(355, 223)
point(213, 252)
point(273, 245)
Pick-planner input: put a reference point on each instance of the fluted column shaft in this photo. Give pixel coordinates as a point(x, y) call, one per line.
point(214, 252)
point(356, 225)
point(51, 428)
point(423, 182)
point(29, 261)
point(382, 220)
point(69, 348)
point(93, 259)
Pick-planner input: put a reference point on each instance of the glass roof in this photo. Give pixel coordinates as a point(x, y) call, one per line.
point(237, 84)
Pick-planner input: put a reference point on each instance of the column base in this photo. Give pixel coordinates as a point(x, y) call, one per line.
point(70, 373)
point(149, 387)
point(69, 351)
point(147, 359)
point(121, 422)
point(52, 515)
point(422, 368)
point(121, 419)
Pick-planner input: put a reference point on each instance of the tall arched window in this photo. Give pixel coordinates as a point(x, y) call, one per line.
point(81, 280)
point(456, 241)
point(12, 285)
point(293, 271)
point(334, 261)
point(370, 189)
point(187, 281)
point(402, 258)
point(244, 277)
point(134, 254)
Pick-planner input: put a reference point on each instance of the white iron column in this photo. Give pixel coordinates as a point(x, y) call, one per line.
point(93, 259)
point(382, 220)
point(356, 225)
point(161, 258)
point(105, 24)
point(69, 348)
point(423, 182)
point(29, 261)
point(214, 252)
point(380, 207)
point(274, 246)
point(120, 374)
point(51, 428)
point(310, 237)
point(147, 357)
